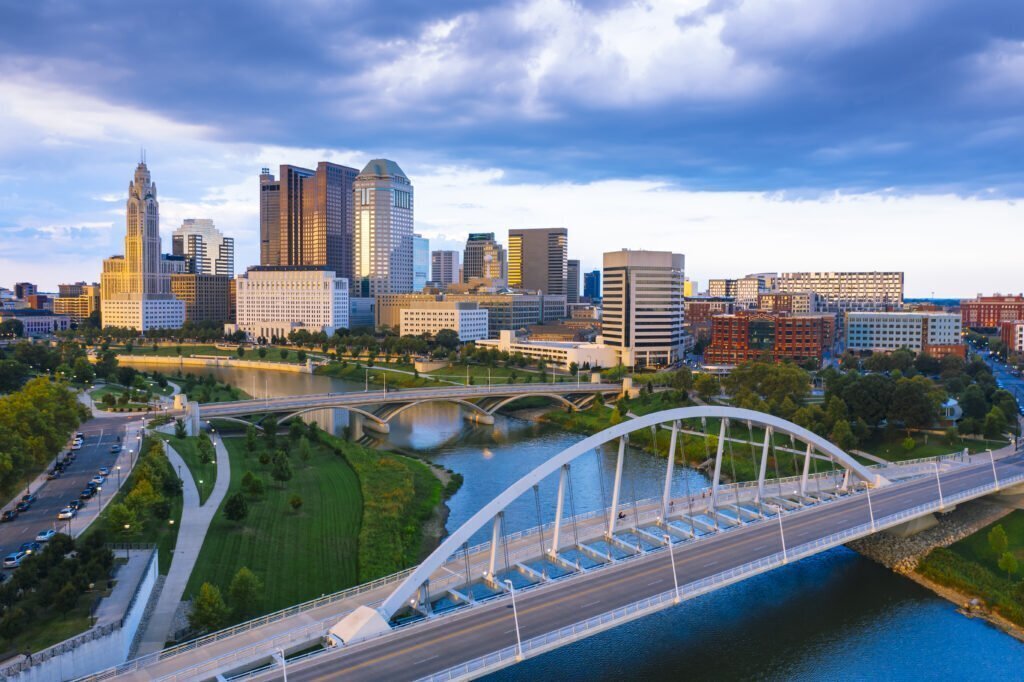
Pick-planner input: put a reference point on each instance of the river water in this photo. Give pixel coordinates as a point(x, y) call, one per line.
point(833, 616)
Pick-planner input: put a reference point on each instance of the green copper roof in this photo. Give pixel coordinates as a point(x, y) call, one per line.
point(383, 168)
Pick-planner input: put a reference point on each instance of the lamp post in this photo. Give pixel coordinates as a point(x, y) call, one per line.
point(515, 617)
point(99, 490)
point(284, 665)
point(871, 510)
point(938, 481)
point(127, 527)
point(782, 535)
point(118, 467)
point(672, 555)
point(992, 458)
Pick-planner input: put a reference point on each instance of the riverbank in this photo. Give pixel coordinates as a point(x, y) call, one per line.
point(913, 557)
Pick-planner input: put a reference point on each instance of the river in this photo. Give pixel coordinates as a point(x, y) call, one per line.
point(836, 615)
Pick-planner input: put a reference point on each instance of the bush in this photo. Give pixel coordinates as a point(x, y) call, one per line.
point(295, 502)
point(908, 444)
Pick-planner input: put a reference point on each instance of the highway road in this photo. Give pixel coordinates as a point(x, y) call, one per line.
point(100, 434)
point(440, 644)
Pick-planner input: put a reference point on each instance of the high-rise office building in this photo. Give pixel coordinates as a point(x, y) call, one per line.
point(537, 259)
point(136, 287)
point(71, 290)
point(383, 230)
point(642, 306)
point(206, 297)
point(572, 281)
point(273, 301)
point(77, 306)
point(23, 290)
point(592, 285)
point(484, 258)
point(205, 248)
point(307, 217)
point(420, 262)
point(444, 267)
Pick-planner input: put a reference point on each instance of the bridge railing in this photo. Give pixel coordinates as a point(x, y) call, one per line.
point(557, 638)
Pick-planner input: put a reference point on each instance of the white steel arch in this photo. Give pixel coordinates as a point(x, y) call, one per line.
point(408, 587)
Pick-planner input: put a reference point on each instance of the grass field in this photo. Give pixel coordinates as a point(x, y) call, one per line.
point(888, 444)
point(171, 350)
point(189, 451)
point(971, 566)
point(297, 555)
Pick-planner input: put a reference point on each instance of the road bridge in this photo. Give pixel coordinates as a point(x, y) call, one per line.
point(578, 574)
point(375, 409)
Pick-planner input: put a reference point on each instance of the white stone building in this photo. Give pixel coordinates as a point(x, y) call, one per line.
point(467, 319)
point(272, 301)
point(924, 332)
point(558, 353)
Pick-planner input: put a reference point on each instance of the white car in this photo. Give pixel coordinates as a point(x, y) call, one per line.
point(45, 535)
point(66, 513)
point(13, 560)
point(76, 445)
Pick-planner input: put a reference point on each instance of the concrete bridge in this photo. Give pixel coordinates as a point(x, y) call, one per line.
point(375, 409)
point(574, 575)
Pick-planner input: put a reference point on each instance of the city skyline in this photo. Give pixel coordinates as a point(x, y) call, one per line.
point(833, 126)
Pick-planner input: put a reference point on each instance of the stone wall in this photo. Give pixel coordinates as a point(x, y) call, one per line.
point(209, 361)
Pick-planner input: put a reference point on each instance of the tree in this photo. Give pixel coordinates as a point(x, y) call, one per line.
point(295, 502)
point(305, 450)
point(120, 515)
point(1008, 563)
point(66, 599)
point(281, 468)
point(82, 371)
point(908, 444)
point(240, 352)
point(244, 594)
point(912, 404)
point(283, 353)
point(207, 453)
point(236, 508)
point(295, 429)
point(842, 435)
point(973, 402)
point(11, 329)
point(179, 428)
point(250, 439)
point(706, 386)
point(573, 368)
point(995, 423)
point(301, 356)
point(262, 352)
point(998, 540)
point(12, 375)
point(209, 612)
point(270, 432)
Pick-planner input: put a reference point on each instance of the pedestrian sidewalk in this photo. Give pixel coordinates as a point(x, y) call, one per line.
point(195, 522)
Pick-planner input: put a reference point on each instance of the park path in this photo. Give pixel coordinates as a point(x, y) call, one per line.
point(195, 521)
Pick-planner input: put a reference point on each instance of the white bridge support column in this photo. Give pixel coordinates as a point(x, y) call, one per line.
point(559, 506)
point(718, 463)
point(355, 426)
point(807, 469)
point(192, 418)
point(764, 462)
point(495, 540)
point(613, 515)
point(667, 494)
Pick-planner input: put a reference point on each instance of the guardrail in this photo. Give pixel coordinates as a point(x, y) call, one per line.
point(586, 628)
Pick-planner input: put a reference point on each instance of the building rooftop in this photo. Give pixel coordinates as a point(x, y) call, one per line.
point(383, 168)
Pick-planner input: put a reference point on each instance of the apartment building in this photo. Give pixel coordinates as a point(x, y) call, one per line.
point(937, 334)
point(1012, 334)
point(989, 312)
point(846, 291)
point(800, 302)
point(756, 334)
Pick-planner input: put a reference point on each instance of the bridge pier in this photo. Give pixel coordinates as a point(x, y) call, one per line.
point(914, 526)
point(478, 417)
point(192, 418)
point(355, 426)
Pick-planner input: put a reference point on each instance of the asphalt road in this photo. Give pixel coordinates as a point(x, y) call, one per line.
point(422, 650)
point(1014, 385)
point(100, 434)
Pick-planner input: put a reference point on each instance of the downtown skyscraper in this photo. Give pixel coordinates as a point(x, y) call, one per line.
point(383, 237)
point(307, 217)
point(538, 260)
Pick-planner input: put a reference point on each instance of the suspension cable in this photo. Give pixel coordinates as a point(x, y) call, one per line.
point(689, 496)
point(504, 542)
point(572, 505)
point(465, 554)
point(732, 461)
point(600, 477)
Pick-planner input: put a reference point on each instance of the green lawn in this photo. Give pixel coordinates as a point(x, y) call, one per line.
point(888, 444)
point(189, 451)
point(171, 350)
point(117, 391)
point(300, 555)
point(971, 566)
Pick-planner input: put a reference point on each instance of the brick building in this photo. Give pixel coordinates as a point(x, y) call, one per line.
point(989, 312)
point(758, 334)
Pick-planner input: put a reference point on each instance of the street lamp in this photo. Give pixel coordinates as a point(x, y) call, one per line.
point(284, 665)
point(782, 535)
point(672, 555)
point(871, 510)
point(99, 489)
point(938, 482)
point(515, 617)
point(118, 467)
point(127, 527)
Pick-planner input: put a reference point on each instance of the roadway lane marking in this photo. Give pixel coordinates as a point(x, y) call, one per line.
point(589, 603)
point(424, 660)
point(712, 563)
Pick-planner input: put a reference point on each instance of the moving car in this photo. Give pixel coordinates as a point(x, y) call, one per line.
point(45, 535)
point(30, 547)
point(13, 560)
point(115, 449)
point(23, 507)
point(98, 480)
point(66, 513)
point(9, 515)
point(76, 504)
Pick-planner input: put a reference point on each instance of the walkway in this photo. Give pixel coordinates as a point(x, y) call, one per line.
point(195, 520)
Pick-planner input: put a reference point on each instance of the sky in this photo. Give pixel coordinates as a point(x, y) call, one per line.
point(749, 135)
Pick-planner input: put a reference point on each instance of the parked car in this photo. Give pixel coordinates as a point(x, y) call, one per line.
point(79, 435)
point(86, 494)
point(45, 535)
point(30, 498)
point(54, 474)
point(9, 515)
point(23, 507)
point(77, 445)
point(76, 504)
point(30, 547)
point(13, 560)
point(104, 471)
point(98, 480)
point(66, 513)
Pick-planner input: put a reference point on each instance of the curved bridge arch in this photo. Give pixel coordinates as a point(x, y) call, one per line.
point(512, 398)
point(408, 587)
point(458, 401)
point(350, 408)
point(243, 422)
